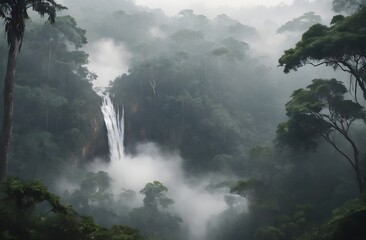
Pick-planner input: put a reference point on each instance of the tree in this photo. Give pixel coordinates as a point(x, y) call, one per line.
point(154, 195)
point(321, 112)
point(341, 46)
point(57, 118)
point(29, 211)
point(251, 189)
point(154, 219)
point(14, 13)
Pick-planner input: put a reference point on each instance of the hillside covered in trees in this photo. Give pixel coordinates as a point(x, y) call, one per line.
point(123, 121)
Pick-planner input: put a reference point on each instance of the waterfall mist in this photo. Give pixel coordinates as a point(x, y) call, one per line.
point(108, 59)
point(193, 202)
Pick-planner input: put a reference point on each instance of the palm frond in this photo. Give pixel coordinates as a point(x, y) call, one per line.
point(47, 7)
point(14, 13)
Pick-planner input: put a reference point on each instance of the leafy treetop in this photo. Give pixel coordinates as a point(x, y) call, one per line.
point(154, 195)
point(321, 111)
point(15, 13)
point(315, 112)
point(342, 45)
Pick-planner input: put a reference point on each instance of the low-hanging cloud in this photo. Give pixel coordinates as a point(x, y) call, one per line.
point(172, 7)
point(193, 202)
point(108, 60)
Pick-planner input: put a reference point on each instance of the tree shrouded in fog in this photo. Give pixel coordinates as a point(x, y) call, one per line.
point(153, 218)
point(15, 13)
point(320, 111)
point(201, 105)
point(341, 46)
point(301, 23)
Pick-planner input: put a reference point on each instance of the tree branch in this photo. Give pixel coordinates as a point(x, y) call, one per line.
point(334, 145)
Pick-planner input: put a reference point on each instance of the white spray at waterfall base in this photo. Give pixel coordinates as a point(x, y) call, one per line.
point(195, 205)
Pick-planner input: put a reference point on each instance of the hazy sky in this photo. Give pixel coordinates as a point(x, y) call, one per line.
point(109, 58)
point(176, 5)
point(232, 3)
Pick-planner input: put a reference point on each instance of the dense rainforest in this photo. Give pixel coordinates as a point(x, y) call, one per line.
point(219, 129)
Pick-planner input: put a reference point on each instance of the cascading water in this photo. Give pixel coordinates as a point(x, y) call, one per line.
point(115, 127)
point(192, 202)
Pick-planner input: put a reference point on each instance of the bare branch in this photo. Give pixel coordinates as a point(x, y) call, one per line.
point(318, 64)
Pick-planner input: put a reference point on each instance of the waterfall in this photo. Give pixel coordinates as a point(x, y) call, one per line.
point(114, 122)
point(193, 202)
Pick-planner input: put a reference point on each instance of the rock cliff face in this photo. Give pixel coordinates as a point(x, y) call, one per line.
point(96, 145)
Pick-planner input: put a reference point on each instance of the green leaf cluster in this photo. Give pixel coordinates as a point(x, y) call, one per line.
point(340, 45)
point(57, 115)
point(315, 112)
point(29, 211)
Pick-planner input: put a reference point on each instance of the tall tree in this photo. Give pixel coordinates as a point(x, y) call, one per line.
point(341, 46)
point(154, 219)
point(321, 112)
point(15, 13)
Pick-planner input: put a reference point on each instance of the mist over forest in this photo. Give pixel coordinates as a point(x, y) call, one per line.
point(197, 120)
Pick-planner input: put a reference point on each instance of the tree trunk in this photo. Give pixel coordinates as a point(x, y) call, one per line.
point(7, 126)
point(360, 179)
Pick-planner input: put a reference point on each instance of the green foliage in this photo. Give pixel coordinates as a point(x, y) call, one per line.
point(260, 201)
point(339, 46)
point(268, 233)
point(94, 197)
point(57, 115)
point(94, 190)
point(246, 188)
point(154, 195)
point(201, 98)
point(154, 219)
point(322, 112)
point(124, 233)
point(67, 26)
point(317, 112)
point(26, 195)
point(24, 215)
point(15, 14)
point(347, 222)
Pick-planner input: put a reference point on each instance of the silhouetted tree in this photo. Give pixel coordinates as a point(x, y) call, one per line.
point(15, 13)
point(321, 112)
point(341, 46)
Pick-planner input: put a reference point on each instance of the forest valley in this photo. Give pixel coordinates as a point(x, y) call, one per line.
point(216, 143)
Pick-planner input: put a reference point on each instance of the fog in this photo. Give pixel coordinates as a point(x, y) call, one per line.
point(114, 54)
point(173, 7)
point(108, 60)
point(192, 201)
point(169, 117)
